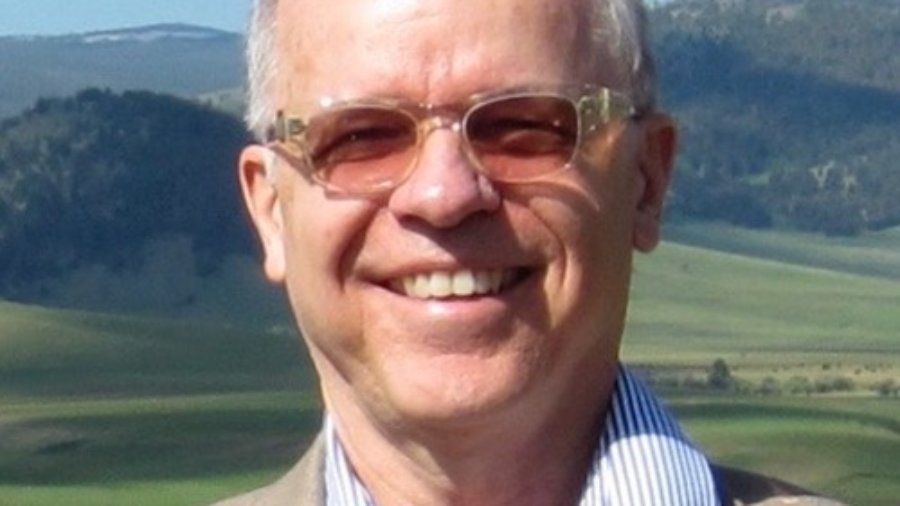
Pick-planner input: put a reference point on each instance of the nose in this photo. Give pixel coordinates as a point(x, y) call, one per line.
point(443, 188)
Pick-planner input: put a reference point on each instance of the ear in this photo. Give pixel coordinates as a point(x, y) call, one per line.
point(656, 159)
point(262, 200)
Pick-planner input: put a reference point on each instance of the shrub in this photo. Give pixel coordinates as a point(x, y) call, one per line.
point(888, 388)
point(799, 385)
point(769, 386)
point(719, 377)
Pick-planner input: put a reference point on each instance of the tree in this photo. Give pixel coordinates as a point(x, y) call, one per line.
point(719, 376)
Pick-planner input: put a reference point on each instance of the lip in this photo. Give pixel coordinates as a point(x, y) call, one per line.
point(455, 324)
point(383, 264)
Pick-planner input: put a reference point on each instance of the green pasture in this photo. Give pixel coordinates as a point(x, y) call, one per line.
point(688, 299)
point(192, 450)
point(165, 450)
point(108, 410)
point(847, 447)
point(875, 254)
point(51, 353)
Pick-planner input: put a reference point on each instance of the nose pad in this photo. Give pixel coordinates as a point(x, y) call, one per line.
point(444, 187)
point(438, 122)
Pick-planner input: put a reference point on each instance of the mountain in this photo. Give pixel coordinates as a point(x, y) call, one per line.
point(789, 110)
point(179, 59)
point(849, 41)
point(91, 180)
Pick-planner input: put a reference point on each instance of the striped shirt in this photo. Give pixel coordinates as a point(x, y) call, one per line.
point(642, 459)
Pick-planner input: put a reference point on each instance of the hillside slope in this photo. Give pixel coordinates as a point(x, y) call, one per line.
point(789, 110)
point(101, 409)
point(712, 302)
point(179, 59)
point(709, 303)
point(57, 353)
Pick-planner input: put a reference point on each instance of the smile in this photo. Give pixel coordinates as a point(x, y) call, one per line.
point(459, 283)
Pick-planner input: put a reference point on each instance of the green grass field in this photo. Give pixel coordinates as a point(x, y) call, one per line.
point(875, 254)
point(845, 446)
point(108, 410)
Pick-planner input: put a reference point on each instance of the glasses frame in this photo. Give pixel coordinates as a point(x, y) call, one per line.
point(595, 106)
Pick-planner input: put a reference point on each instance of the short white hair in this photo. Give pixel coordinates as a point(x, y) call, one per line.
point(620, 26)
point(262, 66)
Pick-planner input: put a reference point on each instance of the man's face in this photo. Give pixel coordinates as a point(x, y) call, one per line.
point(561, 246)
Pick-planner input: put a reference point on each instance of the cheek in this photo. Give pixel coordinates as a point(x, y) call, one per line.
point(593, 215)
point(590, 220)
point(321, 242)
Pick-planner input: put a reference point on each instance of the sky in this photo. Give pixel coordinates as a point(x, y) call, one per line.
point(54, 17)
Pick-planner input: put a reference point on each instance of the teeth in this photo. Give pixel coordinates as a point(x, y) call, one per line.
point(483, 283)
point(440, 285)
point(463, 283)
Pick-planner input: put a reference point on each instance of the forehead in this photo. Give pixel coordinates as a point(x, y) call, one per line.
point(430, 50)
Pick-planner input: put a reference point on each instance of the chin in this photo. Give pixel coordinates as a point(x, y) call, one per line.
point(457, 391)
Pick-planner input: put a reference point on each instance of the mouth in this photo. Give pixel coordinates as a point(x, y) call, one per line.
point(460, 283)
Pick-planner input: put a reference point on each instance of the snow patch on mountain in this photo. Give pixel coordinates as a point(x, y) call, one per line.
point(152, 33)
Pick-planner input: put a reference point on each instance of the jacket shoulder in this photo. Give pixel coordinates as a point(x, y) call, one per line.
point(751, 489)
point(303, 484)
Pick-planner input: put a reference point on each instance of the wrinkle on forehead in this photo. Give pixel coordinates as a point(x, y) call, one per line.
point(414, 48)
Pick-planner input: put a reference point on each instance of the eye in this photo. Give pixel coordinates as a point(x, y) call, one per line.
point(361, 144)
point(521, 137)
point(527, 126)
point(359, 134)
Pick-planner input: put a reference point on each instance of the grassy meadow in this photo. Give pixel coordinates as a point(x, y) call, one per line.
point(108, 410)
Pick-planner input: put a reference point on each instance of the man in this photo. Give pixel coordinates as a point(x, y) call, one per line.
point(451, 191)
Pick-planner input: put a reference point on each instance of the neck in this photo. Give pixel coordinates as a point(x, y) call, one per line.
point(518, 457)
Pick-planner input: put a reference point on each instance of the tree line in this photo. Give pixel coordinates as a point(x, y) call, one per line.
point(789, 111)
point(90, 178)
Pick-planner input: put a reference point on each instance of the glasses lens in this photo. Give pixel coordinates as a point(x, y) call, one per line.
point(361, 149)
point(518, 138)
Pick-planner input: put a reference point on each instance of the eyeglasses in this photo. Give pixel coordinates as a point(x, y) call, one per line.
point(370, 146)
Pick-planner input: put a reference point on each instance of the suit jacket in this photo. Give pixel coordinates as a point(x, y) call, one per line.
point(304, 485)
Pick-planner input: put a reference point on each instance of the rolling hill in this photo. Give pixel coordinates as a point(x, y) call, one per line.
point(789, 111)
point(207, 391)
point(713, 303)
point(178, 59)
point(102, 409)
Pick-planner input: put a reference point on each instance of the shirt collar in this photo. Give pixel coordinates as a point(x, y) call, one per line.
point(642, 459)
